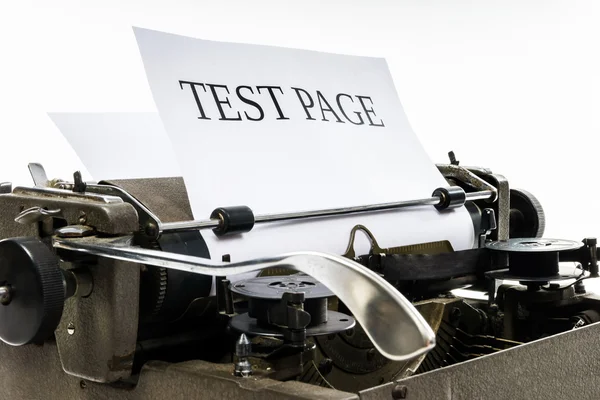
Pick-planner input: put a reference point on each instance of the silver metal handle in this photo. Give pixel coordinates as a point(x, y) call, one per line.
point(392, 323)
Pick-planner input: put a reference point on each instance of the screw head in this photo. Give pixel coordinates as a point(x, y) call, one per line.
point(5, 295)
point(151, 229)
point(371, 354)
point(325, 366)
point(399, 392)
point(455, 314)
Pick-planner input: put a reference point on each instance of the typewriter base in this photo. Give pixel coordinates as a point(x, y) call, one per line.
point(563, 366)
point(35, 373)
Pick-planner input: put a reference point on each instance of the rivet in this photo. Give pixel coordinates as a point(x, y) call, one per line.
point(399, 392)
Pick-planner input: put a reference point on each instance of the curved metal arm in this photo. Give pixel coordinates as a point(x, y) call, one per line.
point(392, 323)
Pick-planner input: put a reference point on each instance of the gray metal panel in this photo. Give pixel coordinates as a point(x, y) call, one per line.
point(564, 366)
point(97, 335)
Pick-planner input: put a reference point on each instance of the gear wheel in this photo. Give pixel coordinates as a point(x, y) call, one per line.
point(165, 293)
point(154, 282)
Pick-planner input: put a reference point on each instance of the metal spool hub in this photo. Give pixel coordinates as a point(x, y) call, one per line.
point(268, 301)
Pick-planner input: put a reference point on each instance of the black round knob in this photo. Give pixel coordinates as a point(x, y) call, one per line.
point(450, 197)
point(527, 218)
point(34, 292)
point(236, 219)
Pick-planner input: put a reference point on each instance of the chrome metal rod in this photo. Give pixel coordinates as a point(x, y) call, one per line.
point(393, 324)
point(430, 201)
point(4, 294)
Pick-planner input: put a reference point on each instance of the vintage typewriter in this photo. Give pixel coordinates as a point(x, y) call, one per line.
point(107, 291)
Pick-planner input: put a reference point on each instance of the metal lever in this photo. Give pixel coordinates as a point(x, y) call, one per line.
point(38, 174)
point(35, 214)
point(392, 323)
point(5, 187)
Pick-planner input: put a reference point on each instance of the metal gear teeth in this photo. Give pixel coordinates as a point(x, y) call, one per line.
point(163, 281)
point(162, 290)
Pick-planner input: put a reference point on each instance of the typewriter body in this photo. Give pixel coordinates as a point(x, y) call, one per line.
point(108, 291)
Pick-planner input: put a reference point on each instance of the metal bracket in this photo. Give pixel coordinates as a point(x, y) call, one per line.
point(464, 175)
point(150, 225)
point(488, 224)
point(503, 215)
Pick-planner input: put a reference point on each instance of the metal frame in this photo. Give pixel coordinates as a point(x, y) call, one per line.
point(561, 366)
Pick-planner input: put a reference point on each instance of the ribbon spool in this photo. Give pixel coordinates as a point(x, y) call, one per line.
point(533, 259)
point(265, 293)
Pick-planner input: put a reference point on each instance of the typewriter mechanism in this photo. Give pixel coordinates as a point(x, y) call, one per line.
point(108, 291)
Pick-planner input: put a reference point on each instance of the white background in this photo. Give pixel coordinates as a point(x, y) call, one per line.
point(509, 85)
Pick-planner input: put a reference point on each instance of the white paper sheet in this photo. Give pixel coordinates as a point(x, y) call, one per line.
point(291, 160)
point(119, 145)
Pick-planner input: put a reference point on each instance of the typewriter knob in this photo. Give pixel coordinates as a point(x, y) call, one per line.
point(527, 218)
point(32, 291)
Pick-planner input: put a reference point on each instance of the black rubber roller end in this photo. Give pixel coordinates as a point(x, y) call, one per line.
point(238, 219)
point(527, 217)
point(33, 291)
point(450, 197)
